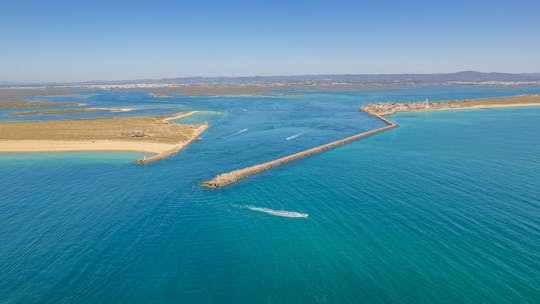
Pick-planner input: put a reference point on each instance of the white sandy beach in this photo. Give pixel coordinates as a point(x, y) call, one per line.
point(95, 145)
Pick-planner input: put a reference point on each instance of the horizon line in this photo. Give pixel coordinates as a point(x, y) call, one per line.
point(17, 82)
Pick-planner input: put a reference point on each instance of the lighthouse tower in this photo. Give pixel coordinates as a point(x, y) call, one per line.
point(427, 103)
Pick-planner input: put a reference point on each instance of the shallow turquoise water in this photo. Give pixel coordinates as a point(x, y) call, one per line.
point(445, 208)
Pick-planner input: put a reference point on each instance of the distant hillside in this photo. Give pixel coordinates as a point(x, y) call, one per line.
point(384, 79)
point(467, 76)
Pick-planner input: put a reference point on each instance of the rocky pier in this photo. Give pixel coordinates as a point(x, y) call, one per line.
point(232, 177)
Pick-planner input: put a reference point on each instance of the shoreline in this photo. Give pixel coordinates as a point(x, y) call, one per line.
point(389, 108)
point(378, 110)
point(175, 149)
point(179, 115)
point(92, 143)
point(478, 107)
point(70, 111)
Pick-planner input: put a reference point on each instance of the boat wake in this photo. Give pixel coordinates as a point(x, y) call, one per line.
point(237, 132)
point(281, 213)
point(295, 136)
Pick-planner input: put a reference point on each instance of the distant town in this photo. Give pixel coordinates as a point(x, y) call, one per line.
point(359, 80)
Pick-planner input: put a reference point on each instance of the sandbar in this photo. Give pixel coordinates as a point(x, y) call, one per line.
point(71, 111)
point(148, 134)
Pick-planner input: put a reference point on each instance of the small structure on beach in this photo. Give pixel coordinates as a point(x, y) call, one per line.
point(137, 134)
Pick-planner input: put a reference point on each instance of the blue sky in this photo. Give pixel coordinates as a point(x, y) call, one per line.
point(89, 40)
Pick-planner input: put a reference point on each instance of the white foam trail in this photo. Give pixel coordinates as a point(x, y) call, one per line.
point(295, 136)
point(238, 132)
point(281, 213)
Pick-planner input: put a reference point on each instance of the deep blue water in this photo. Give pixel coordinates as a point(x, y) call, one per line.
point(444, 209)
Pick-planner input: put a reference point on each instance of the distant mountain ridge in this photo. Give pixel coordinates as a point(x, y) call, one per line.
point(464, 76)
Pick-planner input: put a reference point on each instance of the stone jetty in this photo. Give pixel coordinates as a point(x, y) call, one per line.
point(234, 176)
point(379, 110)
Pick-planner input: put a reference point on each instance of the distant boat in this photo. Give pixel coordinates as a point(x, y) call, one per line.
point(237, 132)
point(295, 136)
point(240, 132)
point(282, 213)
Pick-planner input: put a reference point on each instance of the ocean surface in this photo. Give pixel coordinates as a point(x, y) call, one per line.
point(443, 209)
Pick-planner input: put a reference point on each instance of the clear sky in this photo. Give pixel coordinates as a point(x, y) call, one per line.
point(106, 40)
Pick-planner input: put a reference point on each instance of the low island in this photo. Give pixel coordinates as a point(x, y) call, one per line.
point(389, 108)
point(69, 111)
point(148, 134)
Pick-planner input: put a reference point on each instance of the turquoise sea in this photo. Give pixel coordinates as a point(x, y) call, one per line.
point(443, 209)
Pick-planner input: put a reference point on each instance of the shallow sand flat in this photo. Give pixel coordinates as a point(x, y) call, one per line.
point(71, 111)
point(179, 115)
